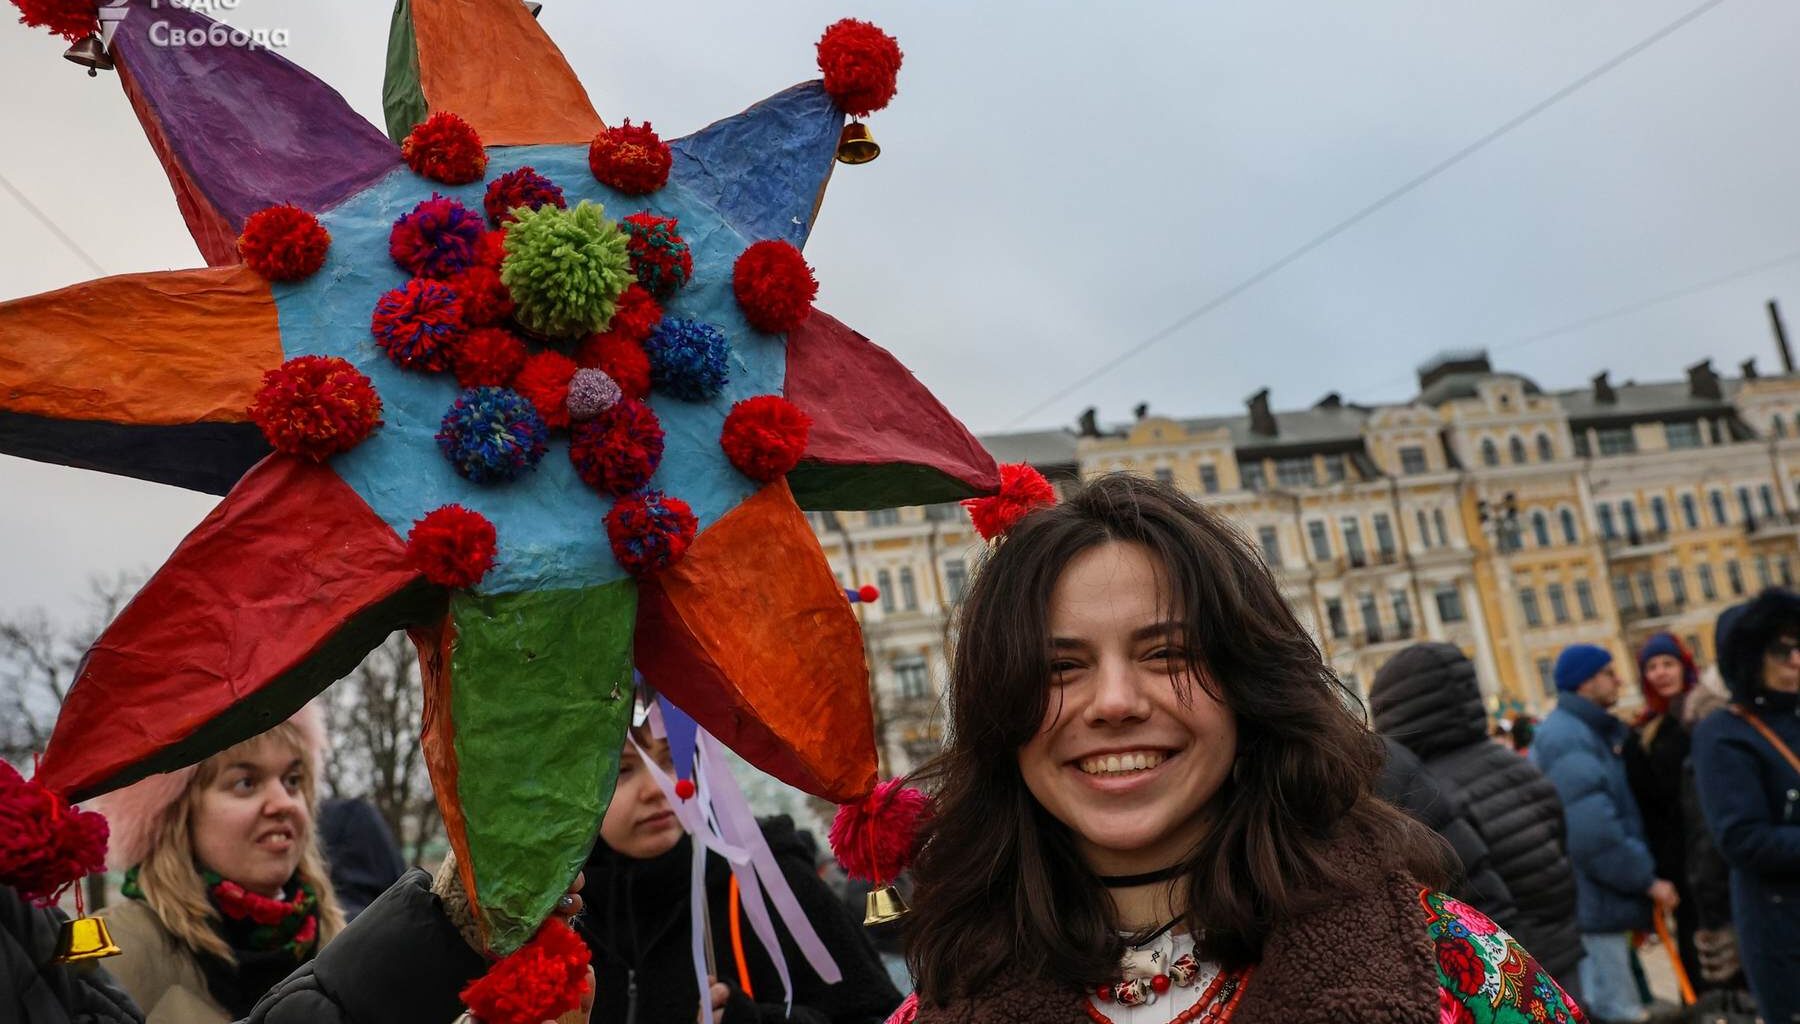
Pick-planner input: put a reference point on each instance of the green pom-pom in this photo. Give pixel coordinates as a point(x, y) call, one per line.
point(566, 269)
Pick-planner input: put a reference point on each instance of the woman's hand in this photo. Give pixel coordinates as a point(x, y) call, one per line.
point(719, 995)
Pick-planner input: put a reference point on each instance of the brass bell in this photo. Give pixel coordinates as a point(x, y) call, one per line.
point(85, 938)
point(883, 905)
point(856, 145)
point(90, 53)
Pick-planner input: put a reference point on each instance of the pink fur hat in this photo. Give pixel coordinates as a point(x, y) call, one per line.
point(135, 813)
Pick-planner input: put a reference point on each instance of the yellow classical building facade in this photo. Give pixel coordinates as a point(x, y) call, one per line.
point(1486, 512)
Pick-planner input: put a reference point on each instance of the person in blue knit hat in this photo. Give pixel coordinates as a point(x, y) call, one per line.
point(1579, 748)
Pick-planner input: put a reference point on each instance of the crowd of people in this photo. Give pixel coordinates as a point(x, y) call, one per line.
point(1156, 803)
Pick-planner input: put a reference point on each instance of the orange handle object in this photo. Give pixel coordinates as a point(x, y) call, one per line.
point(1681, 978)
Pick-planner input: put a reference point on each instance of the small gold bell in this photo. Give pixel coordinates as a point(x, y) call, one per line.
point(883, 905)
point(85, 938)
point(90, 53)
point(856, 145)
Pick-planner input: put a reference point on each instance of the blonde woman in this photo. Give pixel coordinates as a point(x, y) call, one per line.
point(227, 891)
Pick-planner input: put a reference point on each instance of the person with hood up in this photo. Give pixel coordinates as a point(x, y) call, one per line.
point(637, 923)
point(1427, 700)
point(365, 860)
point(1406, 783)
point(1579, 747)
point(1749, 783)
point(1655, 764)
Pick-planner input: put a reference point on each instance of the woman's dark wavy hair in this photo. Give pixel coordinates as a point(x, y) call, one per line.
point(998, 882)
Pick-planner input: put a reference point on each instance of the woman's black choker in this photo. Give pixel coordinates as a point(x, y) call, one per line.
point(1147, 878)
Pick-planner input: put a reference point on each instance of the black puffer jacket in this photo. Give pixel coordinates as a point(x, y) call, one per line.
point(637, 924)
point(1407, 784)
point(35, 991)
point(1427, 698)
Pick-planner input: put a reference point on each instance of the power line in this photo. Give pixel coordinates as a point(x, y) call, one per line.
point(1625, 310)
point(1368, 211)
point(44, 219)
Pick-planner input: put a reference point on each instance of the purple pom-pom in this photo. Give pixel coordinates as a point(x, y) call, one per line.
point(591, 392)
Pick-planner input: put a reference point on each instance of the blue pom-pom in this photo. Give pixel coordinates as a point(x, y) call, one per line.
point(688, 359)
point(493, 435)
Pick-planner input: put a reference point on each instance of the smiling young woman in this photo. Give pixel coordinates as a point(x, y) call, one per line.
point(1155, 803)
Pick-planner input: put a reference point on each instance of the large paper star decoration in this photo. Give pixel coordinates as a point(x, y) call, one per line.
point(569, 555)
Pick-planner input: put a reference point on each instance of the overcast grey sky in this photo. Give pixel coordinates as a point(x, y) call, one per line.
point(1060, 181)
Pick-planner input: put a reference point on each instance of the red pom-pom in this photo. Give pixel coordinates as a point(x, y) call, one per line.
point(861, 65)
point(685, 789)
point(283, 243)
point(623, 359)
point(488, 357)
point(315, 407)
point(445, 148)
point(1022, 488)
point(544, 381)
point(650, 531)
point(452, 546)
point(74, 20)
point(542, 980)
point(486, 300)
point(869, 593)
point(874, 837)
point(631, 159)
point(524, 187)
point(492, 250)
point(618, 451)
point(765, 436)
point(45, 845)
point(774, 286)
point(419, 324)
point(660, 257)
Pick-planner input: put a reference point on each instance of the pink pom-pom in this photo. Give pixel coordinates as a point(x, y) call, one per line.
point(875, 837)
point(1022, 489)
point(591, 392)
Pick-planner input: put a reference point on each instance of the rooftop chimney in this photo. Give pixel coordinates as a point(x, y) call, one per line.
point(1089, 422)
point(1332, 400)
point(1781, 342)
point(1748, 367)
point(1444, 364)
point(1703, 382)
point(1603, 389)
point(1141, 410)
point(1262, 421)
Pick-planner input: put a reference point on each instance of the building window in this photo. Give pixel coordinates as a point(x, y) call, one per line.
point(1690, 512)
point(1646, 585)
point(1767, 494)
point(1607, 530)
point(909, 592)
point(1628, 519)
point(1252, 475)
point(1353, 543)
point(1546, 451)
point(1584, 599)
point(1559, 604)
point(1449, 605)
point(1780, 426)
point(956, 577)
point(885, 581)
point(1321, 540)
point(1785, 568)
point(1371, 617)
point(1571, 534)
point(1163, 475)
point(1209, 478)
point(1384, 534)
point(1540, 528)
point(1437, 519)
point(1709, 590)
point(1412, 460)
point(1622, 595)
point(1517, 449)
point(1334, 616)
point(1490, 452)
point(1270, 539)
point(1295, 471)
point(1528, 604)
point(884, 517)
point(1424, 530)
point(1734, 576)
point(1747, 510)
point(944, 512)
point(1546, 677)
point(910, 678)
point(1334, 469)
point(1678, 587)
point(1616, 440)
point(1682, 435)
point(1582, 450)
point(1402, 612)
point(1763, 579)
point(1718, 508)
point(1659, 513)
